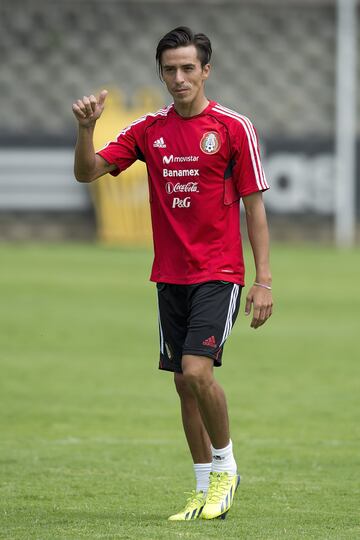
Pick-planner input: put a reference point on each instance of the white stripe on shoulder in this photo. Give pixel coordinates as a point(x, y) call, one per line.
point(254, 138)
point(249, 128)
point(245, 118)
point(160, 112)
point(253, 147)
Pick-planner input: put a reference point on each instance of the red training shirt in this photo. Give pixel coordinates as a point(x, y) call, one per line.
point(198, 169)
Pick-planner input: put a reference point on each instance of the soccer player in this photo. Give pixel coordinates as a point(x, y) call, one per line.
point(202, 158)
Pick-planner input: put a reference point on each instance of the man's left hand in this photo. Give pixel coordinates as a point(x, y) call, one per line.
point(261, 300)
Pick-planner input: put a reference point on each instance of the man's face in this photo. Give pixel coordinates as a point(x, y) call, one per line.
point(182, 73)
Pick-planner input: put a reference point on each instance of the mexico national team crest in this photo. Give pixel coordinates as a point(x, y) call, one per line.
point(210, 142)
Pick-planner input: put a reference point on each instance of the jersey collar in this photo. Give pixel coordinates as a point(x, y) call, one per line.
point(205, 111)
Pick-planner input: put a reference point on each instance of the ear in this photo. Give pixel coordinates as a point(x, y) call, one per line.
point(206, 71)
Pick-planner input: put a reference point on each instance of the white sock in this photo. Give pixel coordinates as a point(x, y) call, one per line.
point(223, 459)
point(202, 475)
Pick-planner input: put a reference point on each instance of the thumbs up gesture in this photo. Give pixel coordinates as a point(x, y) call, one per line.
point(89, 109)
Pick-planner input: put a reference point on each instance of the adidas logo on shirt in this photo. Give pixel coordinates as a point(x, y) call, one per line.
point(159, 143)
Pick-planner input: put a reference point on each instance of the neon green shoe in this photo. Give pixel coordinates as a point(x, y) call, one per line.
point(220, 495)
point(193, 508)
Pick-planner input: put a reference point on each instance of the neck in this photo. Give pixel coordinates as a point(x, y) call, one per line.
point(191, 109)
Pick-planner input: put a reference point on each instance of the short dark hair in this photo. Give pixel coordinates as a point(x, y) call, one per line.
point(182, 36)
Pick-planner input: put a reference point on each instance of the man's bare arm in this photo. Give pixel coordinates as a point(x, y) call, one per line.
point(259, 296)
point(88, 165)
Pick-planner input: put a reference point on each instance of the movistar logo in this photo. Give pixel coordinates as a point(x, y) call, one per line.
point(178, 159)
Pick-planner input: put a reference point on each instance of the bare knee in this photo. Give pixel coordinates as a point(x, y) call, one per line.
point(198, 373)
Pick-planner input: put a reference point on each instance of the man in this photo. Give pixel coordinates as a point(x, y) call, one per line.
point(201, 159)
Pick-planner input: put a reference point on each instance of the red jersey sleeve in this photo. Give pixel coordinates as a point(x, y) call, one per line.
point(125, 150)
point(248, 172)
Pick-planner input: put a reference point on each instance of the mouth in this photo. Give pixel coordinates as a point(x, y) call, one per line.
point(181, 90)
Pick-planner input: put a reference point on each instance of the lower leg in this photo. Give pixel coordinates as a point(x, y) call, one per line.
point(196, 434)
point(210, 397)
point(213, 408)
point(195, 431)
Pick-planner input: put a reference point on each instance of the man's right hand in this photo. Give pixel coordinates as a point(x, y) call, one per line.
point(88, 109)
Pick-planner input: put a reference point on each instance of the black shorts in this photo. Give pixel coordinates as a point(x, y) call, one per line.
point(195, 319)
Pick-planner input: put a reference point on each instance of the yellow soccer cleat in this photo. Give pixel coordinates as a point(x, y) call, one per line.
point(220, 495)
point(193, 508)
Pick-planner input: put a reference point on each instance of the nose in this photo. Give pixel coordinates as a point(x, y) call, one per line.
point(179, 76)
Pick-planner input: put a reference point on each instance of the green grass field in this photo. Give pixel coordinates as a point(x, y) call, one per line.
point(91, 444)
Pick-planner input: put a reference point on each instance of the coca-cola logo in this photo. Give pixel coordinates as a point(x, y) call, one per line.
point(190, 187)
